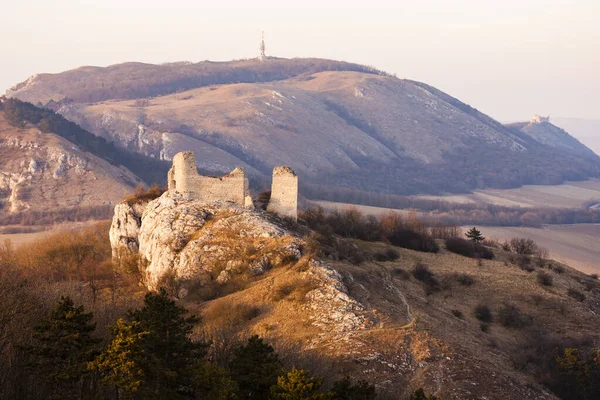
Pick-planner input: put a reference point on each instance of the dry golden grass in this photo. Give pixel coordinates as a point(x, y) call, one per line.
point(416, 336)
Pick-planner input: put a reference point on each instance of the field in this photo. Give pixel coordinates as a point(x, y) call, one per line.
point(569, 194)
point(576, 245)
point(18, 239)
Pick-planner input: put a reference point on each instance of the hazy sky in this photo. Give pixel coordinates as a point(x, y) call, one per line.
point(507, 58)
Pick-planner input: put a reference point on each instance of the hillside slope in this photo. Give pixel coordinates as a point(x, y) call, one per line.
point(346, 128)
point(42, 171)
point(247, 272)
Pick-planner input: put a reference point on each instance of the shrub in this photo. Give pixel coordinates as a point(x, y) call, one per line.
point(559, 269)
point(524, 262)
point(589, 284)
point(511, 317)
point(465, 279)
point(576, 294)
point(444, 231)
point(143, 195)
point(523, 246)
point(392, 254)
point(484, 327)
point(483, 313)
point(422, 273)
point(594, 276)
point(400, 273)
point(544, 279)
point(414, 241)
point(458, 314)
point(468, 248)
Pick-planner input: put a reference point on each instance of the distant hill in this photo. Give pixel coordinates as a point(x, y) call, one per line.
point(341, 126)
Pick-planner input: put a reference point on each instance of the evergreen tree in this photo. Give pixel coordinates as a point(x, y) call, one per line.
point(345, 390)
point(62, 348)
point(213, 383)
point(419, 394)
point(122, 362)
point(153, 356)
point(255, 367)
point(296, 385)
point(474, 235)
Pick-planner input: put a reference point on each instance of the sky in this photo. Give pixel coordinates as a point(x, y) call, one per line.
point(508, 58)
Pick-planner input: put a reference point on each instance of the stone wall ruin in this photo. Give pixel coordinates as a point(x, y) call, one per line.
point(284, 193)
point(184, 178)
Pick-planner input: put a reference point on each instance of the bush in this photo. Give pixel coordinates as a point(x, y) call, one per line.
point(511, 317)
point(400, 273)
point(392, 254)
point(594, 276)
point(544, 279)
point(576, 294)
point(414, 241)
point(465, 279)
point(524, 262)
point(422, 273)
point(143, 195)
point(523, 246)
point(484, 327)
point(559, 269)
point(387, 255)
point(468, 248)
point(458, 314)
point(483, 313)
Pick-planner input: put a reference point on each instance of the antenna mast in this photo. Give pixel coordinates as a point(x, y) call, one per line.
point(262, 56)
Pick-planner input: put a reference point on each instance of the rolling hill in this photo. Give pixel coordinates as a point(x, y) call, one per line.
point(339, 125)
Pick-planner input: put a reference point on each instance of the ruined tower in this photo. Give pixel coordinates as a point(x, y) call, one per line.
point(284, 193)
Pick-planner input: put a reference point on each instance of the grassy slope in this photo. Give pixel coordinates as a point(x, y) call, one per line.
point(415, 340)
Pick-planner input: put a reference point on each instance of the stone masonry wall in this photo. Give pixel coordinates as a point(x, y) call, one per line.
point(184, 178)
point(284, 193)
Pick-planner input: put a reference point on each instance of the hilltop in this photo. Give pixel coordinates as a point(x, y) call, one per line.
point(341, 126)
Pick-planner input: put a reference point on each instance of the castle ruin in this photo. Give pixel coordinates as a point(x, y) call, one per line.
point(538, 119)
point(284, 193)
point(184, 178)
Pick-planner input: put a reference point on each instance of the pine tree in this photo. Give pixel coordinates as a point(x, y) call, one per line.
point(153, 355)
point(474, 235)
point(419, 394)
point(255, 367)
point(62, 348)
point(345, 390)
point(213, 383)
point(122, 362)
point(296, 385)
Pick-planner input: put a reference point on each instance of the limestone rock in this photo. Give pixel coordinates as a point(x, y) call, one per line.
point(191, 239)
point(125, 229)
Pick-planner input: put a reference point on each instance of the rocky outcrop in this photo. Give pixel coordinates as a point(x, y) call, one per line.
point(195, 242)
point(125, 229)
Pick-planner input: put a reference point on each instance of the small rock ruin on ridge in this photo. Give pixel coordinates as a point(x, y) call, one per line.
point(184, 178)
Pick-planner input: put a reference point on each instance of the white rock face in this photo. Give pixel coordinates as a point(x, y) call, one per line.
point(195, 241)
point(125, 229)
